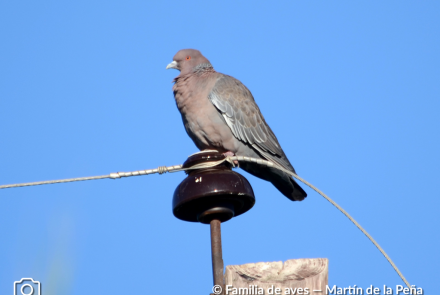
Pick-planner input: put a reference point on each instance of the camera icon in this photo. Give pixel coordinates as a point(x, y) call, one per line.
point(27, 286)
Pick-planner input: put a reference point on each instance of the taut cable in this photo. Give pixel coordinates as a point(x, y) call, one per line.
point(177, 168)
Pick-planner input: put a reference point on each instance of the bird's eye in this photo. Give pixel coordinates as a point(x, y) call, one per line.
point(188, 57)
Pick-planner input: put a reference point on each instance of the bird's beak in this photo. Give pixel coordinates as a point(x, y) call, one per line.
point(172, 65)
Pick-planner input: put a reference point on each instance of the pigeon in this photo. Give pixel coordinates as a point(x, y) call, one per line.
point(220, 113)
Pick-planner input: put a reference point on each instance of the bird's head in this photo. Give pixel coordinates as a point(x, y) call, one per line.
point(188, 60)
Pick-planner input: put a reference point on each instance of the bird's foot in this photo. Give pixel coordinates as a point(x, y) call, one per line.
point(231, 154)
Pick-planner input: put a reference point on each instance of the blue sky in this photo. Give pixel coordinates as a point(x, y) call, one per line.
point(350, 88)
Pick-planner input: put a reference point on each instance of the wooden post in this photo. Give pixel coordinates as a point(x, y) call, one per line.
point(289, 277)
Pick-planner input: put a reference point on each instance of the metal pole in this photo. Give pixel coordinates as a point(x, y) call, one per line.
point(216, 252)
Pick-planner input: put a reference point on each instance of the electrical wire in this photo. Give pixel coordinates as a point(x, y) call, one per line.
point(232, 160)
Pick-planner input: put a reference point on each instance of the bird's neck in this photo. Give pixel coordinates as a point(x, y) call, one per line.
point(204, 67)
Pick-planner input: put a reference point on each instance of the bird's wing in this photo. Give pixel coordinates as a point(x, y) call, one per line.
point(241, 113)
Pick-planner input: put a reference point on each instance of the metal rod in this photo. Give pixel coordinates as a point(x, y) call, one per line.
point(216, 252)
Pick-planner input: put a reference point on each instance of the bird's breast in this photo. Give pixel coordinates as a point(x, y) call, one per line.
point(203, 122)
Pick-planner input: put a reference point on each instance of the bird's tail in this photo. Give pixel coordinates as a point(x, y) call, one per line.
point(281, 180)
point(288, 186)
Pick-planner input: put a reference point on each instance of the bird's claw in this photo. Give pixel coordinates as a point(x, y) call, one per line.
point(231, 154)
